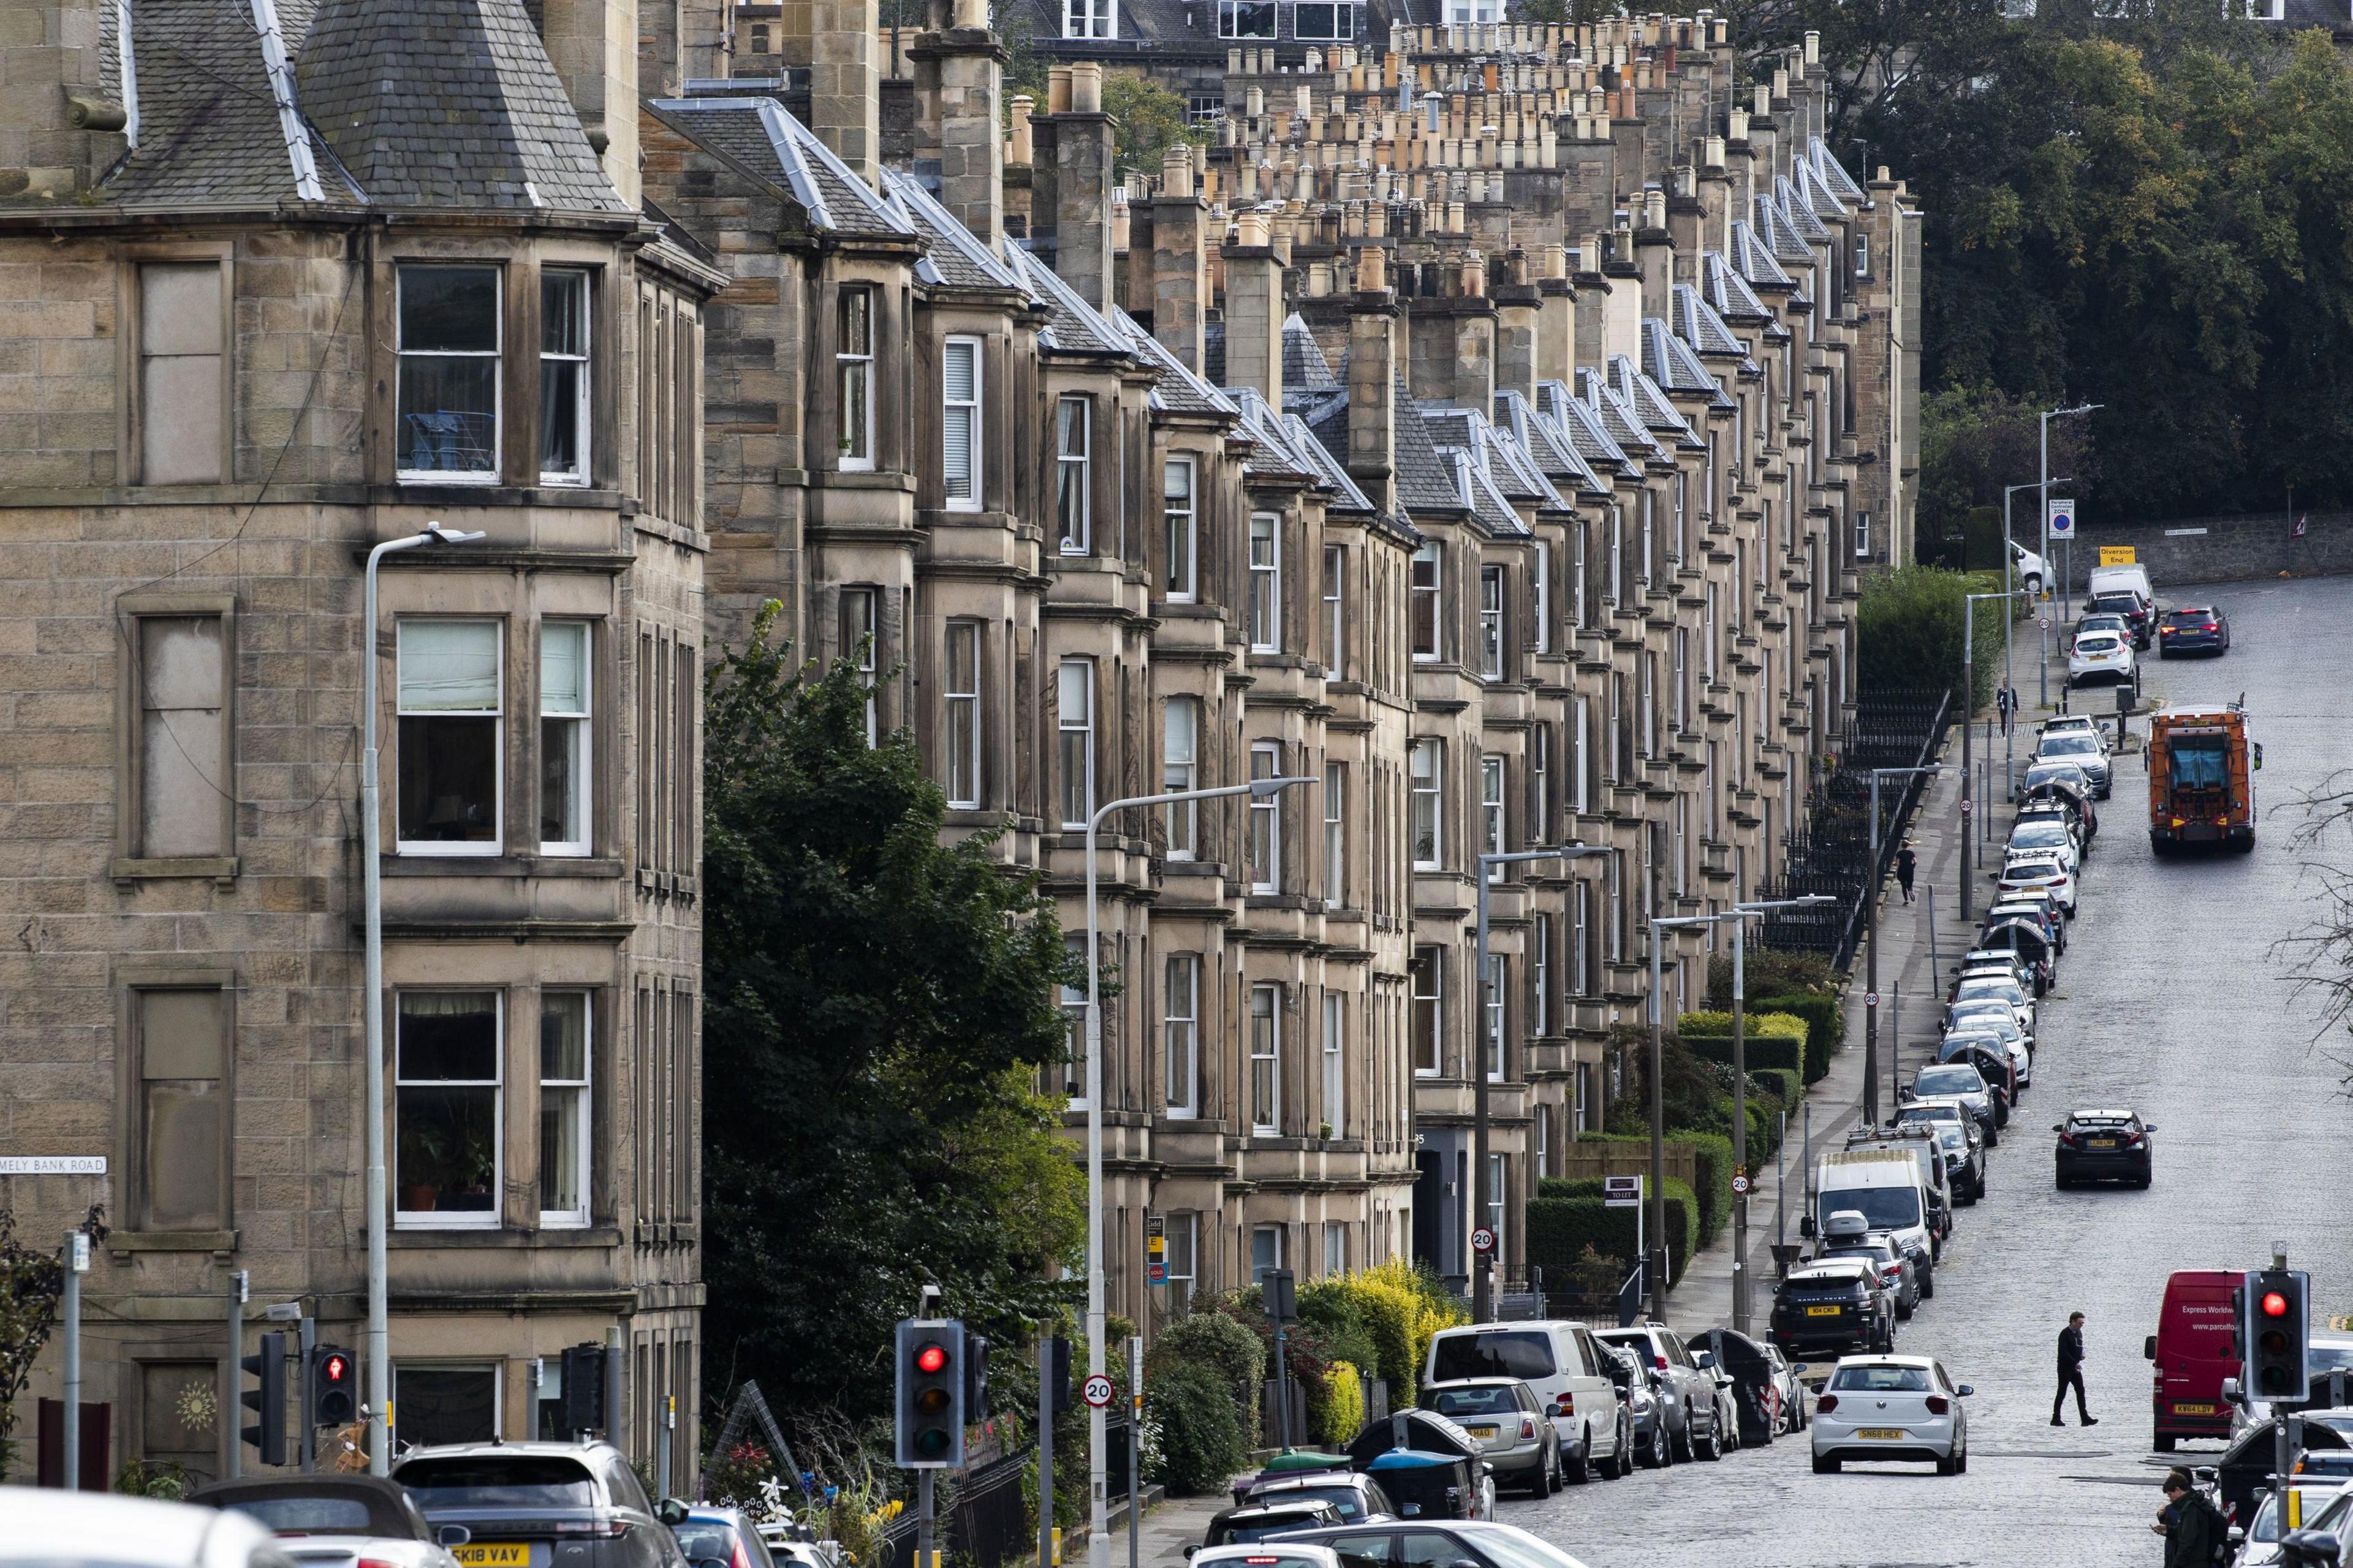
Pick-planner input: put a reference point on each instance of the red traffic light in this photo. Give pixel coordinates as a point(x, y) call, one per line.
point(2274, 1304)
point(334, 1368)
point(931, 1358)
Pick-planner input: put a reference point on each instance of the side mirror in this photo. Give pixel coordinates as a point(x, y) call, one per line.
point(1806, 1225)
point(452, 1535)
point(2058, 1127)
point(2148, 1126)
point(671, 1511)
point(2148, 1348)
point(2313, 1548)
point(2259, 757)
point(1704, 1360)
point(2236, 1536)
point(2231, 1390)
point(1964, 1391)
point(1189, 1552)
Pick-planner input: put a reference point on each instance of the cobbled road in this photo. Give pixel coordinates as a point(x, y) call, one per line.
point(2172, 1000)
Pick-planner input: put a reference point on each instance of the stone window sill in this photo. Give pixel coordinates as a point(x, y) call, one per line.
point(135, 869)
point(171, 1241)
point(565, 1235)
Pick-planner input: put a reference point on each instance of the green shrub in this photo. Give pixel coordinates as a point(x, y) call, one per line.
point(1331, 1307)
point(1908, 633)
point(1825, 1026)
point(1343, 1415)
point(1561, 1229)
point(1225, 1349)
point(1774, 1051)
point(1786, 1084)
point(1770, 971)
point(1202, 1443)
point(1711, 1164)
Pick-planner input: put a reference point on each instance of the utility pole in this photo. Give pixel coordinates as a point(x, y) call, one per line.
point(238, 1286)
point(77, 1262)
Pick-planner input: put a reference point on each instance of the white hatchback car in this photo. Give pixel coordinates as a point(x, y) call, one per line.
point(1266, 1554)
point(1891, 1407)
point(2100, 656)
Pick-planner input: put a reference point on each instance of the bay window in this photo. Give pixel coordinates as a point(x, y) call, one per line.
point(1179, 524)
point(1180, 771)
point(1075, 724)
point(960, 423)
point(1181, 1030)
point(1427, 572)
point(564, 738)
point(1491, 622)
point(1428, 1010)
point(1265, 823)
point(853, 367)
point(448, 382)
point(962, 737)
point(447, 1112)
point(1265, 584)
point(564, 380)
point(1266, 1058)
point(1491, 810)
point(1072, 503)
point(1428, 762)
point(450, 780)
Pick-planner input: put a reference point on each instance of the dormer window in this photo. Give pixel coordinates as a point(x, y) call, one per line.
point(1246, 19)
point(449, 374)
point(1326, 21)
point(1090, 18)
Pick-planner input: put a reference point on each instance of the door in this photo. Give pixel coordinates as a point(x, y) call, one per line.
point(1428, 1203)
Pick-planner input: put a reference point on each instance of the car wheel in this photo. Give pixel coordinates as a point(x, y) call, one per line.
point(2144, 1180)
point(1928, 1285)
point(2061, 1183)
point(1621, 1462)
point(1660, 1453)
point(1715, 1450)
point(1947, 1466)
point(2163, 1442)
point(1576, 1471)
point(1686, 1448)
point(1961, 1464)
point(1903, 1312)
point(1993, 1138)
point(1825, 1466)
point(1554, 1473)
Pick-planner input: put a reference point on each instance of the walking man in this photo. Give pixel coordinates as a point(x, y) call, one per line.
point(2005, 704)
point(2193, 1527)
point(1905, 864)
point(2071, 1371)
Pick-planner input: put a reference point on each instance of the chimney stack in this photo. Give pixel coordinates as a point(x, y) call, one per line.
point(1179, 271)
point(1083, 150)
point(1371, 381)
point(844, 86)
point(960, 76)
point(593, 46)
point(60, 117)
point(1254, 313)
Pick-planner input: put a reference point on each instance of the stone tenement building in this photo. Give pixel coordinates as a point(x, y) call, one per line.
point(278, 283)
point(1490, 429)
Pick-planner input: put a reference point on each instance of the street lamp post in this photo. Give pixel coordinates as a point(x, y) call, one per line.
point(1739, 916)
point(379, 1332)
point(1655, 1265)
point(2066, 588)
point(1871, 927)
point(1482, 1269)
point(1099, 1416)
point(2009, 749)
point(1969, 714)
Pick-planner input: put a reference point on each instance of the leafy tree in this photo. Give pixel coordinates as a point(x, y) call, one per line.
point(879, 1007)
point(32, 1282)
point(1908, 633)
point(1148, 119)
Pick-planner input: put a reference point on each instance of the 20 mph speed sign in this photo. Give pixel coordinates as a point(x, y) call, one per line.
point(1097, 1391)
point(1483, 1240)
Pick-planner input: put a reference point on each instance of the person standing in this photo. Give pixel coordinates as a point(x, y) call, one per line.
point(2005, 704)
point(1907, 863)
point(2192, 1528)
point(2071, 1375)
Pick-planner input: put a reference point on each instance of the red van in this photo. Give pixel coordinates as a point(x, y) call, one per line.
point(2191, 1349)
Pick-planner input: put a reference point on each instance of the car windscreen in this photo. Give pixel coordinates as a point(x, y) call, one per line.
point(2039, 836)
point(1872, 1253)
point(2188, 617)
point(1886, 1208)
point(1507, 1354)
point(1881, 1379)
point(519, 1480)
point(2070, 746)
point(1495, 1399)
point(1262, 1526)
point(308, 1515)
point(2116, 604)
point(1949, 1080)
point(704, 1540)
point(1999, 987)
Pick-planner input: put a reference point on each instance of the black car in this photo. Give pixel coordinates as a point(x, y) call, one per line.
point(1744, 1360)
point(2103, 1146)
point(543, 1497)
point(2245, 1467)
point(1257, 1521)
point(2138, 612)
point(1832, 1307)
point(2204, 629)
point(1359, 1497)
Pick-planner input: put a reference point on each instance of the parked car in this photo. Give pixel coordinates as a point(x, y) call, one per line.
point(1993, 1021)
point(342, 1519)
point(1792, 1392)
point(47, 1527)
point(2100, 657)
point(2103, 1145)
point(2245, 1468)
point(2076, 724)
point(715, 1536)
point(1991, 1055)
point(2085, 751)
point(2046, 771)
point(1264, 1554)
point(2044, 836)
point(1645, 1410)
point(1957, 1130)
point(1891, 1407)
point(1359, 1497)
point(1560, 1361)
point(1832, 1308)
point(2027, 569)
point(2137, 608)
point(1758, 1399)
point(1690, 1393)
point(1962, 1082)
point(1878, 1249)
point(1511, 1424)
point(2103, 621)
point(2193, 1350)
point(2323, 1354)
point(536, 1495)
point(2325, 1505)
point(2039, 872)
point(2201, 629)
point(1453, 1542)
point(1257, 1521)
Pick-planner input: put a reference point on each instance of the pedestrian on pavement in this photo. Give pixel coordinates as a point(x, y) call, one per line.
point(2193, 1529)
point(2005, 704)
point(1905, 864)
point(2071, 1373)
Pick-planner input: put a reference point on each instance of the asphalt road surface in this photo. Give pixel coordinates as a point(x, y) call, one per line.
point(2173, 1000)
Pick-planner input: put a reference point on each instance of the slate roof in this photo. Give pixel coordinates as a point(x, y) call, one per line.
point(1644, 401)
point(1072, 326)
point(1314, 455)
point(1618, 421)
point(1541, 440)
point(954, 255)
point(447, 103)
point(1698, 325)
point(1305, 368)
point(1582, 423)
point(1178, 390)
point(1775, 228)
point(1833, 174)
point(759, 135)
point(1271, 453)
point(1815, 194)
point(1753, 256)
point(1425, 482)
point(1213, 351)
point(1727, 291)
point(1674, 365)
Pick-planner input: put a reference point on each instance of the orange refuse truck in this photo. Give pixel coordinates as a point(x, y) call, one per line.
point(2201, 768)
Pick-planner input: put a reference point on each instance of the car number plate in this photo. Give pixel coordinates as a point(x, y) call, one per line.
point(2179, 1409)
point(1821, 1311)
point(2102, 1143)
point(1479, 1431)
point(1880, 1434)
point(493, 1554)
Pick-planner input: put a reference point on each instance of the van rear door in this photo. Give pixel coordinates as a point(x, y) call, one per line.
point(2193, 1355)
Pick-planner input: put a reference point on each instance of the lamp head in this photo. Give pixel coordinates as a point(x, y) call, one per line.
point(442, 535)
point(1260, 789)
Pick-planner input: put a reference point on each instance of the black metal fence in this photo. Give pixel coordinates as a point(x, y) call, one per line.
point(986, 1522)
point(1829, 851)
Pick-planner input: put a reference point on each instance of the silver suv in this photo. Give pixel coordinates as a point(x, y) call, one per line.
point(1687, 1389)
point(532, 1497)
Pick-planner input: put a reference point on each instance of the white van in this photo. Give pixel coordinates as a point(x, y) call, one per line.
point(1560, 1362)
point(2118, 579)
point(1885, 1185)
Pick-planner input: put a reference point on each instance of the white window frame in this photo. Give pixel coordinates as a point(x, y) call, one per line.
point(1180, 1033)
point(1436, 996)
point(1084, 729)
point(1581, 938)
point(961, 737)
point(1229, 20)
point(1434, 591)
point(1264, 852)
point(861, 644)
point(967, 411)
point(1265, 582)
point(1091, 19)
point(1498, 1170)
point(497, 844)
point(1335, 1248)
point(1540, 1025)
point(1335, 836)
point(498, 380)
point(1179, 773)
point(1180, 525)
point(1861, 534)
point(1542, 568)
point(1258, 1271)
point(1081, 462)
point(580, 728)
point(1345, 27)
point(854, 366)
point(1074, 1008)
point(1183, 1233)
point(1580, 763)
point(1491, 809)
point(575, 1217)
point(1491, 622)
point(1335, 558)
point(1537, 832)
point(1863, 241)
point(1335, 1063)
point(1427, 798)
point(1266, 1046)
point(1491, 1001)
point(583, 403)
point(492, 1218)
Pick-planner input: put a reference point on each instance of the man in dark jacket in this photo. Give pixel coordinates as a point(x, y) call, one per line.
point(2191, 1527)
point(2071, 1371)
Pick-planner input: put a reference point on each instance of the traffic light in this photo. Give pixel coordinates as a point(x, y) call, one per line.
point(267, 1402)
point(2279, 1328)
point(1058, 1373)
point(930, 1403)
point(584, 1388)
point(975, 1378)
point(334, 1383)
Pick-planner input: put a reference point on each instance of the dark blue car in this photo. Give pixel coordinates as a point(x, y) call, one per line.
point(2197, 629)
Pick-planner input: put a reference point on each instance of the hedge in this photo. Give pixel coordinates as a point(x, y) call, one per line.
point(1825, 1028)
point(1223, 1348)
point(1559, 1228)
point(1711, 1166)
point(1774, 1051)
point(1787, 1083)
point(1201, 1442)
